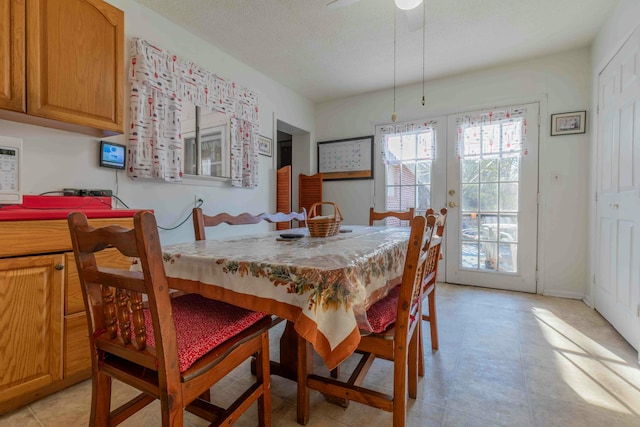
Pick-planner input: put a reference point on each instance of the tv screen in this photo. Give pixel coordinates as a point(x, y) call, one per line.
point(112, 155)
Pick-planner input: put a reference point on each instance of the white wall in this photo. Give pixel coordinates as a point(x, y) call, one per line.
point(560, 82)
point(55, 159)
point(621, 23)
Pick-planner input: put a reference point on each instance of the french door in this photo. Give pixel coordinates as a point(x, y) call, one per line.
point(491, 231)
point(492, 199)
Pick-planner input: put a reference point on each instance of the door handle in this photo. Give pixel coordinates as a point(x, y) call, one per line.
point(453, 205)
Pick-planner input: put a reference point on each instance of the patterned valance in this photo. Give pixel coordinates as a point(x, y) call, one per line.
point(419, 134)
point(496, 133)
point(160, 82)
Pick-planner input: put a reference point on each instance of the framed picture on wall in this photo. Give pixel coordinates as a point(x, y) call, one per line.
point(568, 123)
point(350, 158)
point(265, 146)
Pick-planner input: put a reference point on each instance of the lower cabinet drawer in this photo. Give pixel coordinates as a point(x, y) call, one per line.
point(77, 357)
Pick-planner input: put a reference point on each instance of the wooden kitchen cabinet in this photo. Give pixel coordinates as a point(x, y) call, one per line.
point(44, 345)
point(66, 67)
point(31, 324)
point(12, 51)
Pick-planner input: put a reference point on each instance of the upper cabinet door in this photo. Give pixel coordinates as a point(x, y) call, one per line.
point(75, 62)
point(12, 52)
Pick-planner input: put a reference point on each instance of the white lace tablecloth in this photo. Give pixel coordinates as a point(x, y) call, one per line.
point(323, 284)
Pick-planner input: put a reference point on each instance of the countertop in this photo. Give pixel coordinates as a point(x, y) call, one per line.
point(58, 207)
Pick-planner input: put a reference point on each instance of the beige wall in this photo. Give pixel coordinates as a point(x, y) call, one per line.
point(561, 83)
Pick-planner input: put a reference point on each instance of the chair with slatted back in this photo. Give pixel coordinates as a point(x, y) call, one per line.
point(429, 282)
point(171, 349)
point(401, 216)
point(379, 216)
point(395, 322)
point(202, 221)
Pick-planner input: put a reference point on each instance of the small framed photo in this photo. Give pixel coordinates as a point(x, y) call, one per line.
point(568, 123)
point(265, 146)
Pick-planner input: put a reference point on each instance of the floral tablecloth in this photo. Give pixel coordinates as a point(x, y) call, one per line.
point(323, 284)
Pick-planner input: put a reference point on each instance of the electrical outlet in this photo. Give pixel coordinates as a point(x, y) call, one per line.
point(197, 200)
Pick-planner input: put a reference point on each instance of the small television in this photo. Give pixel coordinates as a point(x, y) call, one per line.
point(112, 155)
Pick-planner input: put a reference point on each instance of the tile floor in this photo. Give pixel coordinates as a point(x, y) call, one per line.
point(505, 359)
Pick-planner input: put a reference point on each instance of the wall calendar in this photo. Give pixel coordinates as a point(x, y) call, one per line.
point(350, 158)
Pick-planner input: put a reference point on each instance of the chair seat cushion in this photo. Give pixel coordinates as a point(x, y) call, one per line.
point(383, 313)
point(202, 324)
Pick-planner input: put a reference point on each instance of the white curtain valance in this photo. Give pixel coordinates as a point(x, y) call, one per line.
point(393, 134)
point(160, 81)
point(495, 133)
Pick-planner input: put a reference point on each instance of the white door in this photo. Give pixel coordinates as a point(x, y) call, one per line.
point(492, 198)
point(617, 290)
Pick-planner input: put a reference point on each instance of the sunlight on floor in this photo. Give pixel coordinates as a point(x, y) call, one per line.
point(596, 374)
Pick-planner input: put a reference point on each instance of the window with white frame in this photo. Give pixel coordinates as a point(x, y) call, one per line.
point(408, 164)
point(206, 137)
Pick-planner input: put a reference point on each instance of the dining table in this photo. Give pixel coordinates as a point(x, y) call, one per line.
point(322, 286)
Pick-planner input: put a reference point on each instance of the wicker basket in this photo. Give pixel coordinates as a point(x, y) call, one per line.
point(324, 226)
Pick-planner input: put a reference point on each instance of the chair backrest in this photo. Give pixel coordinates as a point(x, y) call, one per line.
point(201, 221)
point(409, 300)
point(113, 297)
point(431, 267)
point(441, 220)
point(402, 216)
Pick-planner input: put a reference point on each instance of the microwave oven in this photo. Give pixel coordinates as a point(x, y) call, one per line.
point(10, 170)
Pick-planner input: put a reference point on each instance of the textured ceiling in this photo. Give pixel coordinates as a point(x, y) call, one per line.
point(325, 52)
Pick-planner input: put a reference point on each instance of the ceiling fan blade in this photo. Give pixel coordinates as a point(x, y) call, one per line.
point(335, 4)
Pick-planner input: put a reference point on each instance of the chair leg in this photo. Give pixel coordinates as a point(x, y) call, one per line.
point(263, 377)
point(433, 320)
point(172, 413)
point(100, 400)
point(400, 392)
point(420, 348)
point(206, 395)
point(335, 372)
point(412, 381)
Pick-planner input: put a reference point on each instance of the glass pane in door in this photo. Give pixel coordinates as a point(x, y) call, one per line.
point(489, 214)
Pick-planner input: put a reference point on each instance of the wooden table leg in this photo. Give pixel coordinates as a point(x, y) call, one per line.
point(305, 367)
point(287, 366)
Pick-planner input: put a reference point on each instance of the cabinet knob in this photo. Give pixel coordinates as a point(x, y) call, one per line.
point(59, 267)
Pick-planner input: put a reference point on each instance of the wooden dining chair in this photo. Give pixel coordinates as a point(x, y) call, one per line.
point(201, 221)
point(401, 216)
point(171, 349)
point(429, 283)
point(378, 216)
point(395, 322)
